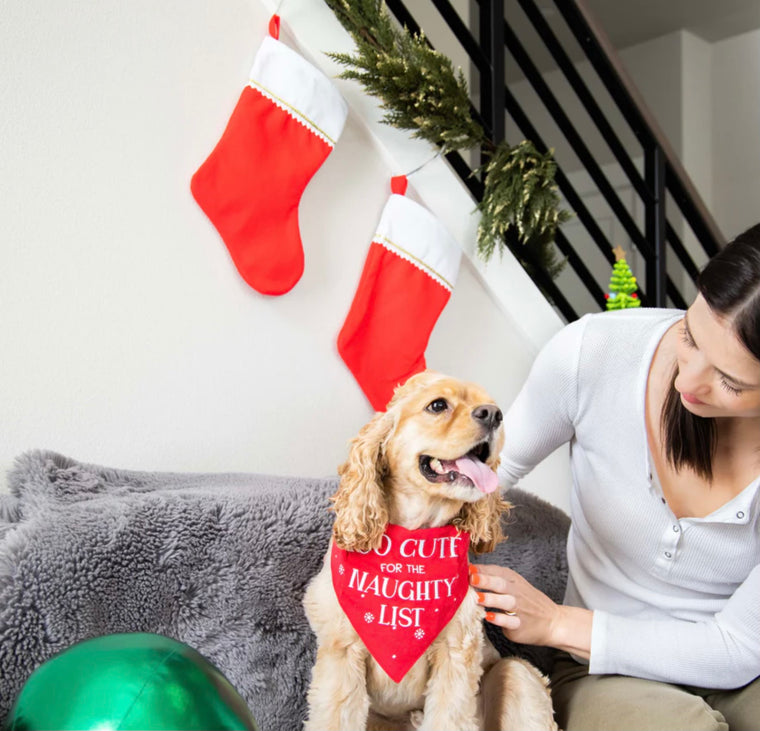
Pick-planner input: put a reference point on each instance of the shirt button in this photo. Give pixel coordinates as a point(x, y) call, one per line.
point(668, 554)
point(740, 514)
point(676, 529)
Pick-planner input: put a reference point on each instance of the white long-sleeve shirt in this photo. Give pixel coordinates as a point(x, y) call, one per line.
point(676, 600)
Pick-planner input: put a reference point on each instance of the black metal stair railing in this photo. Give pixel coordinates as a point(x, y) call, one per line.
point(663, 178)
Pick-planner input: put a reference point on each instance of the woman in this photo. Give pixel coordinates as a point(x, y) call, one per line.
point(660, 626)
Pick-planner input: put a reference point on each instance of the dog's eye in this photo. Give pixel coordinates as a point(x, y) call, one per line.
point(437, 406)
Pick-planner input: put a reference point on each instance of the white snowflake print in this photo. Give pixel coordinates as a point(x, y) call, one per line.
point(369, 617)
point(419, 633)
point(341, 570)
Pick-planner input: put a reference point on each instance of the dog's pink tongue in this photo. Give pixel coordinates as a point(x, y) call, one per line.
point(479, 472)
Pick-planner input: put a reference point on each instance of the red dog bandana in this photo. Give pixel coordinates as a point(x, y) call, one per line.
point(399, 596)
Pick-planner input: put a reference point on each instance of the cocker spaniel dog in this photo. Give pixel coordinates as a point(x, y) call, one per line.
point(400, 635)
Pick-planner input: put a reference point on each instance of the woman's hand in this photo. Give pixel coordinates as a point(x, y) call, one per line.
point(527, 615)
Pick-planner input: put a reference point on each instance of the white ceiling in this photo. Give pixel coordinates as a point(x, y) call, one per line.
point(630, 22)
point(634, 21)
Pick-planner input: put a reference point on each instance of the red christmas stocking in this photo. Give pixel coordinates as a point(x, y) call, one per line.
point(284, 126)
point(410, 270)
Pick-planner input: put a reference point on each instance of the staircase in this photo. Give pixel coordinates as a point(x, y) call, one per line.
point(617, 173)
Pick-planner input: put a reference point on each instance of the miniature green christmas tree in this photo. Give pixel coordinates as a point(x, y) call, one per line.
point(623, 287)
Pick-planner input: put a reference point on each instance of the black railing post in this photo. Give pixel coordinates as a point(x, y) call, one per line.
point(492, 83)
point(655, 225)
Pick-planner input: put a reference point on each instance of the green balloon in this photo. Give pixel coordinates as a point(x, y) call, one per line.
point(128, 681)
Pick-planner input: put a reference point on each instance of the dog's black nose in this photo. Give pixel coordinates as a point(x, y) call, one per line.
point(487, 414)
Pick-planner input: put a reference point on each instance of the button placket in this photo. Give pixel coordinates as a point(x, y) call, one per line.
point(668, 545)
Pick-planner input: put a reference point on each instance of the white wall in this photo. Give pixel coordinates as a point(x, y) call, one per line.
point(706, 98)
point(696, 118)
point(127, 337)
point(736, 132)
point(711, 114)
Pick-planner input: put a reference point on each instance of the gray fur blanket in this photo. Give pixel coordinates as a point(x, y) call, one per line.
point(218, 561)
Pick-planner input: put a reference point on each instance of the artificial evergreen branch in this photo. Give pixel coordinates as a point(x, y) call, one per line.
point(520, 192)
point(421, 92)
point(417, 86)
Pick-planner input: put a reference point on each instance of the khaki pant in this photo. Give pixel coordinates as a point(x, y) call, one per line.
point(586, 702)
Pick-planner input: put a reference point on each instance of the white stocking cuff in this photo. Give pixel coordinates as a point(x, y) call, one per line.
point(300, 89)
point(412, 232)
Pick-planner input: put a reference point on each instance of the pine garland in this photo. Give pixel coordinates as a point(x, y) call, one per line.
point(418, 86)
point(421, 92)
point(520, 192)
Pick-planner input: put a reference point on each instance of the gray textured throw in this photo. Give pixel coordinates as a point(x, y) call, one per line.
point(218, 561)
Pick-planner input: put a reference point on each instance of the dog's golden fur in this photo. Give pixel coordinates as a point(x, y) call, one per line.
point(459, 683)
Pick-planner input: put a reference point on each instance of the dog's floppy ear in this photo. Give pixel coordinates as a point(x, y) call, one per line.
point(361, 511)
point(482, 520)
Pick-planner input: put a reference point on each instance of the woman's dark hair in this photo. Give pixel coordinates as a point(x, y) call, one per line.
point(730, 284)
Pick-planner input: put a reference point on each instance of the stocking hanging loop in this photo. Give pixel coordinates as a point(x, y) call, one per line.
point(398, 184)
point(274, 27)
